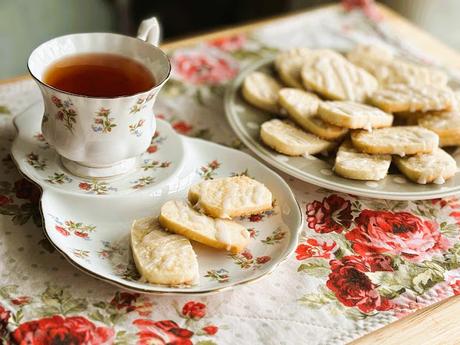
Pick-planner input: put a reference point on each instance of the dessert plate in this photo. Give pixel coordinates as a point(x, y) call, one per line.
point(90, 226)
point(246, 120)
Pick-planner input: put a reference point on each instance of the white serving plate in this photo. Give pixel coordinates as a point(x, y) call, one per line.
point(246, 121)
point(90, 224)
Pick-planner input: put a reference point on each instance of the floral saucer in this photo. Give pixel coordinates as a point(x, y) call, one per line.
point(246, 120)
point(89, 221)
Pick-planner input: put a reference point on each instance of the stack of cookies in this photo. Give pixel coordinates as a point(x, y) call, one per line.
point(349, 104)
point(161, 246)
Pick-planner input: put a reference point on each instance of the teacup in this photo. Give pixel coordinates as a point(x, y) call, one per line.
point(70, 121)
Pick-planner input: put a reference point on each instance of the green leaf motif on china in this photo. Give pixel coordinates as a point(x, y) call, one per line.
point(34, 161)
point(102, 122)
point(58, 178)
point(221, 275)
point(208, 171)
point(153, 165)
point(277, 236)
point(142, 182)
point(7, 290)
point(316, 267)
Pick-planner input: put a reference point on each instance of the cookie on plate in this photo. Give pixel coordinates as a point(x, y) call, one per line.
point(288, 64)
point(352, 164)
point(445, 124)
point(401, 140)
point(302, 108)
point(403, 98)
point(334, 77)
point(435, 167)
point(290, 140)
point(261, 90)
point(354, 115)
point(231, 197)
point(179, 217)
point(162, 257)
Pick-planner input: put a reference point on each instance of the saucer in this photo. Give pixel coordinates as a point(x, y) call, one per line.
point(246, 121)
point(43, 164)
point(89, 221)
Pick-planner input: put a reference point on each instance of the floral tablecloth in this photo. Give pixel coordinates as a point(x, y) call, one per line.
point(360, 263)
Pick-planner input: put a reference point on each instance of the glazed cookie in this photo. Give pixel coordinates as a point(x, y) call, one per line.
point(290, 140)
point(288, 64)
point(350, 163)
point(261, 90)
point(445, 124)
point(402, 97)
point(435, 167)
point(336, 78)
point(162, 257)
point(403, 140)
point(302, 107)
point(231, 197)
point(354, 115)
point(179, 217)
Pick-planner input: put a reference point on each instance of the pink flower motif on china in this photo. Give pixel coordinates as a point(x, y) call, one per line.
point(209, 67)
point(56, 101)
point(455, 286)
point(229, 43)
point(314, 248)
point(21, 300)
point(182, 127)
point(332, 214)
point(61, 230)
point(4, 319)
point(194, 310)
point(396, 233)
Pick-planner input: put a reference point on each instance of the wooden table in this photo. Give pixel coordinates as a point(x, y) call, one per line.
point(433, 325)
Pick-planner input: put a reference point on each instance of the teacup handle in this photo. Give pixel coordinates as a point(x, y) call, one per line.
point(149, 31)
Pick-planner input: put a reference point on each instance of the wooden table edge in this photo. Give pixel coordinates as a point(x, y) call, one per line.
point(423, 325)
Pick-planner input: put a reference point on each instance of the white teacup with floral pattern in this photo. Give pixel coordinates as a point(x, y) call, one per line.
point(101, 137)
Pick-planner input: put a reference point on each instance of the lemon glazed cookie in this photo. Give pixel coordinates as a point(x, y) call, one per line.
point(179, 217)
point(162, 257)
point(334, 77)
point(403, 98)
point(352, 164)
point(445, 124)
point(290, 140)
point(402, 140)
point(302, 108)
point(261, 90)
point(288, 64)
point(354, 115)
point(435, 167)
point(231, 197)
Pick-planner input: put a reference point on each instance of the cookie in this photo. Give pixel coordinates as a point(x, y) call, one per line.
point(354, 115)
point(261, 90)
point(334, 77)
point(402, 140)
point(162, 257)
point(288, 64)
point(352, 164)
point(435, 167)
point(179, 217)
point(402, 97)
point(363, 52)
point(290, 140)
point(231, 197)
point(445, 124)
point(381, 63)
point(302, 107)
